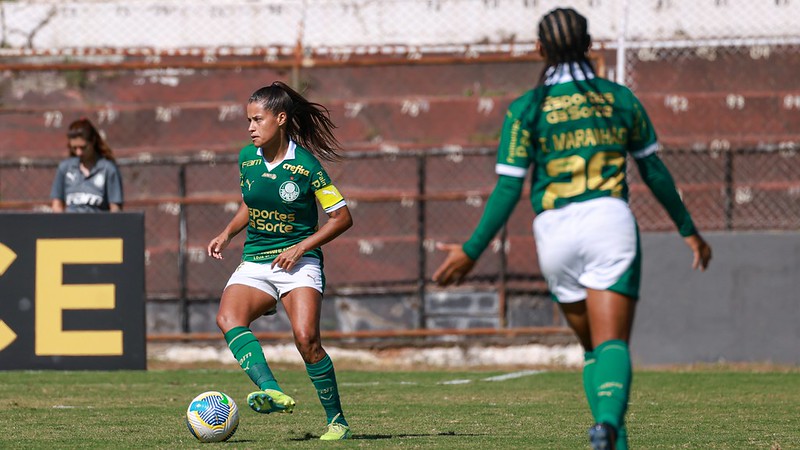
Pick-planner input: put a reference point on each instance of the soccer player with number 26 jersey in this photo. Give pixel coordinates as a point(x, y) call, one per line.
point(575, 132)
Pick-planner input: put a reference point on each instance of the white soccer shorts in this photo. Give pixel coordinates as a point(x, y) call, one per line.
point(589, 244)
point(276, 281)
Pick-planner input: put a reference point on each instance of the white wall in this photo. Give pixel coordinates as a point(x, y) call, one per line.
point(258, 23)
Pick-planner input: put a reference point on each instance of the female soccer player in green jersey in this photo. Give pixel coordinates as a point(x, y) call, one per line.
point(282, 180)
point(575, 131)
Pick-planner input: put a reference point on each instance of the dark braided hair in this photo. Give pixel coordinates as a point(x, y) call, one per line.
point(307, 123)
point(83, 128)
point(564, 35)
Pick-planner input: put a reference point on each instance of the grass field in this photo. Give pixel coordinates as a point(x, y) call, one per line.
point(711, 407)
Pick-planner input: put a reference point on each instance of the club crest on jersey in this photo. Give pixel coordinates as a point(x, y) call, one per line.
point(289, 191)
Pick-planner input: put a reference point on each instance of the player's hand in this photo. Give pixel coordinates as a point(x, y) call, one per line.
point(455, 266)
point(701, 251)
point(288, 259)
point(217, 245)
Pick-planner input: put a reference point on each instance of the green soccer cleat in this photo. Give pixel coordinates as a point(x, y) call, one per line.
point(336, 431)
point(270, 401)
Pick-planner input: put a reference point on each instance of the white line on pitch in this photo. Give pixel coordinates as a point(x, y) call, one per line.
point(512, 375)
point(378, 383)
point(503, 377)
point(455, 382)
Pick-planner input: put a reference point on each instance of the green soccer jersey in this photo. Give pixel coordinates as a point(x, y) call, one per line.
point(282, 201)
point(576, 135)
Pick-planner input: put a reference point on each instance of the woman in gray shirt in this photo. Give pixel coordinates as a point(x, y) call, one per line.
point(89, 180)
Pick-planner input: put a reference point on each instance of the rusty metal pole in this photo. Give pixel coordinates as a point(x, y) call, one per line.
point(502, 287)
point(729, 194)
point(183, 256)
point(297, 65)
point(421, 224)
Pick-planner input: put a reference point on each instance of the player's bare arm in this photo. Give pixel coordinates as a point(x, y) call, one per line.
point(338, 222)
point(221, 241)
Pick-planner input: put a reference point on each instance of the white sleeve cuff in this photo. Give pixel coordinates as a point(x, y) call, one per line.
point(647, 151)
point(511, 171)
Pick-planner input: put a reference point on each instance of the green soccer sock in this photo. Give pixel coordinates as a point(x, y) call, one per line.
point(588, 382)
point(622, 438)
point(324, 378)
point(250, 355)
point(612, 380)
point(591, 396)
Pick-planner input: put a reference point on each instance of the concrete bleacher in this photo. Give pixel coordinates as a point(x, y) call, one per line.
point(693, 102)
point(188, 110)
point(732, 97)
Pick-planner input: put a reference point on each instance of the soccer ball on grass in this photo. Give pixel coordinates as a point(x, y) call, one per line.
point(212, 417)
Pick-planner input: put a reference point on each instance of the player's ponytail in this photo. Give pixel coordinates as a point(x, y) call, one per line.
point(307, 123)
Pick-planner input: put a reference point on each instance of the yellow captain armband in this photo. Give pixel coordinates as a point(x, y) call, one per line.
point(329, 197)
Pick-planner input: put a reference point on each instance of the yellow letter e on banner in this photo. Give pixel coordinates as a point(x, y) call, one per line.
point(53, 297)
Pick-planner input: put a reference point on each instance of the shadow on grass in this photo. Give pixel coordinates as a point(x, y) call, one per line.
point(309, 436)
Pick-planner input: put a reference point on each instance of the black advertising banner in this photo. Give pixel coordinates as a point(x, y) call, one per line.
point(72, 291)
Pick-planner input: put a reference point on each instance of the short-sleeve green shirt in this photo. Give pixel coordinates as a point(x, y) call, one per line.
point(282, 201)
point(577, 135)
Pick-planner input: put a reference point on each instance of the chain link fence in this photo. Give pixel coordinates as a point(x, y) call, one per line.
point(418, 89)
point(402, 204)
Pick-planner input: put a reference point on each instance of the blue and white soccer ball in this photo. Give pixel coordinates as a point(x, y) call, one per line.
point(212, 417)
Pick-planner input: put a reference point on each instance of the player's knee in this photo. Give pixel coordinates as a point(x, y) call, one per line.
point(226, 321)
point(222, 322)
point(308, 344)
